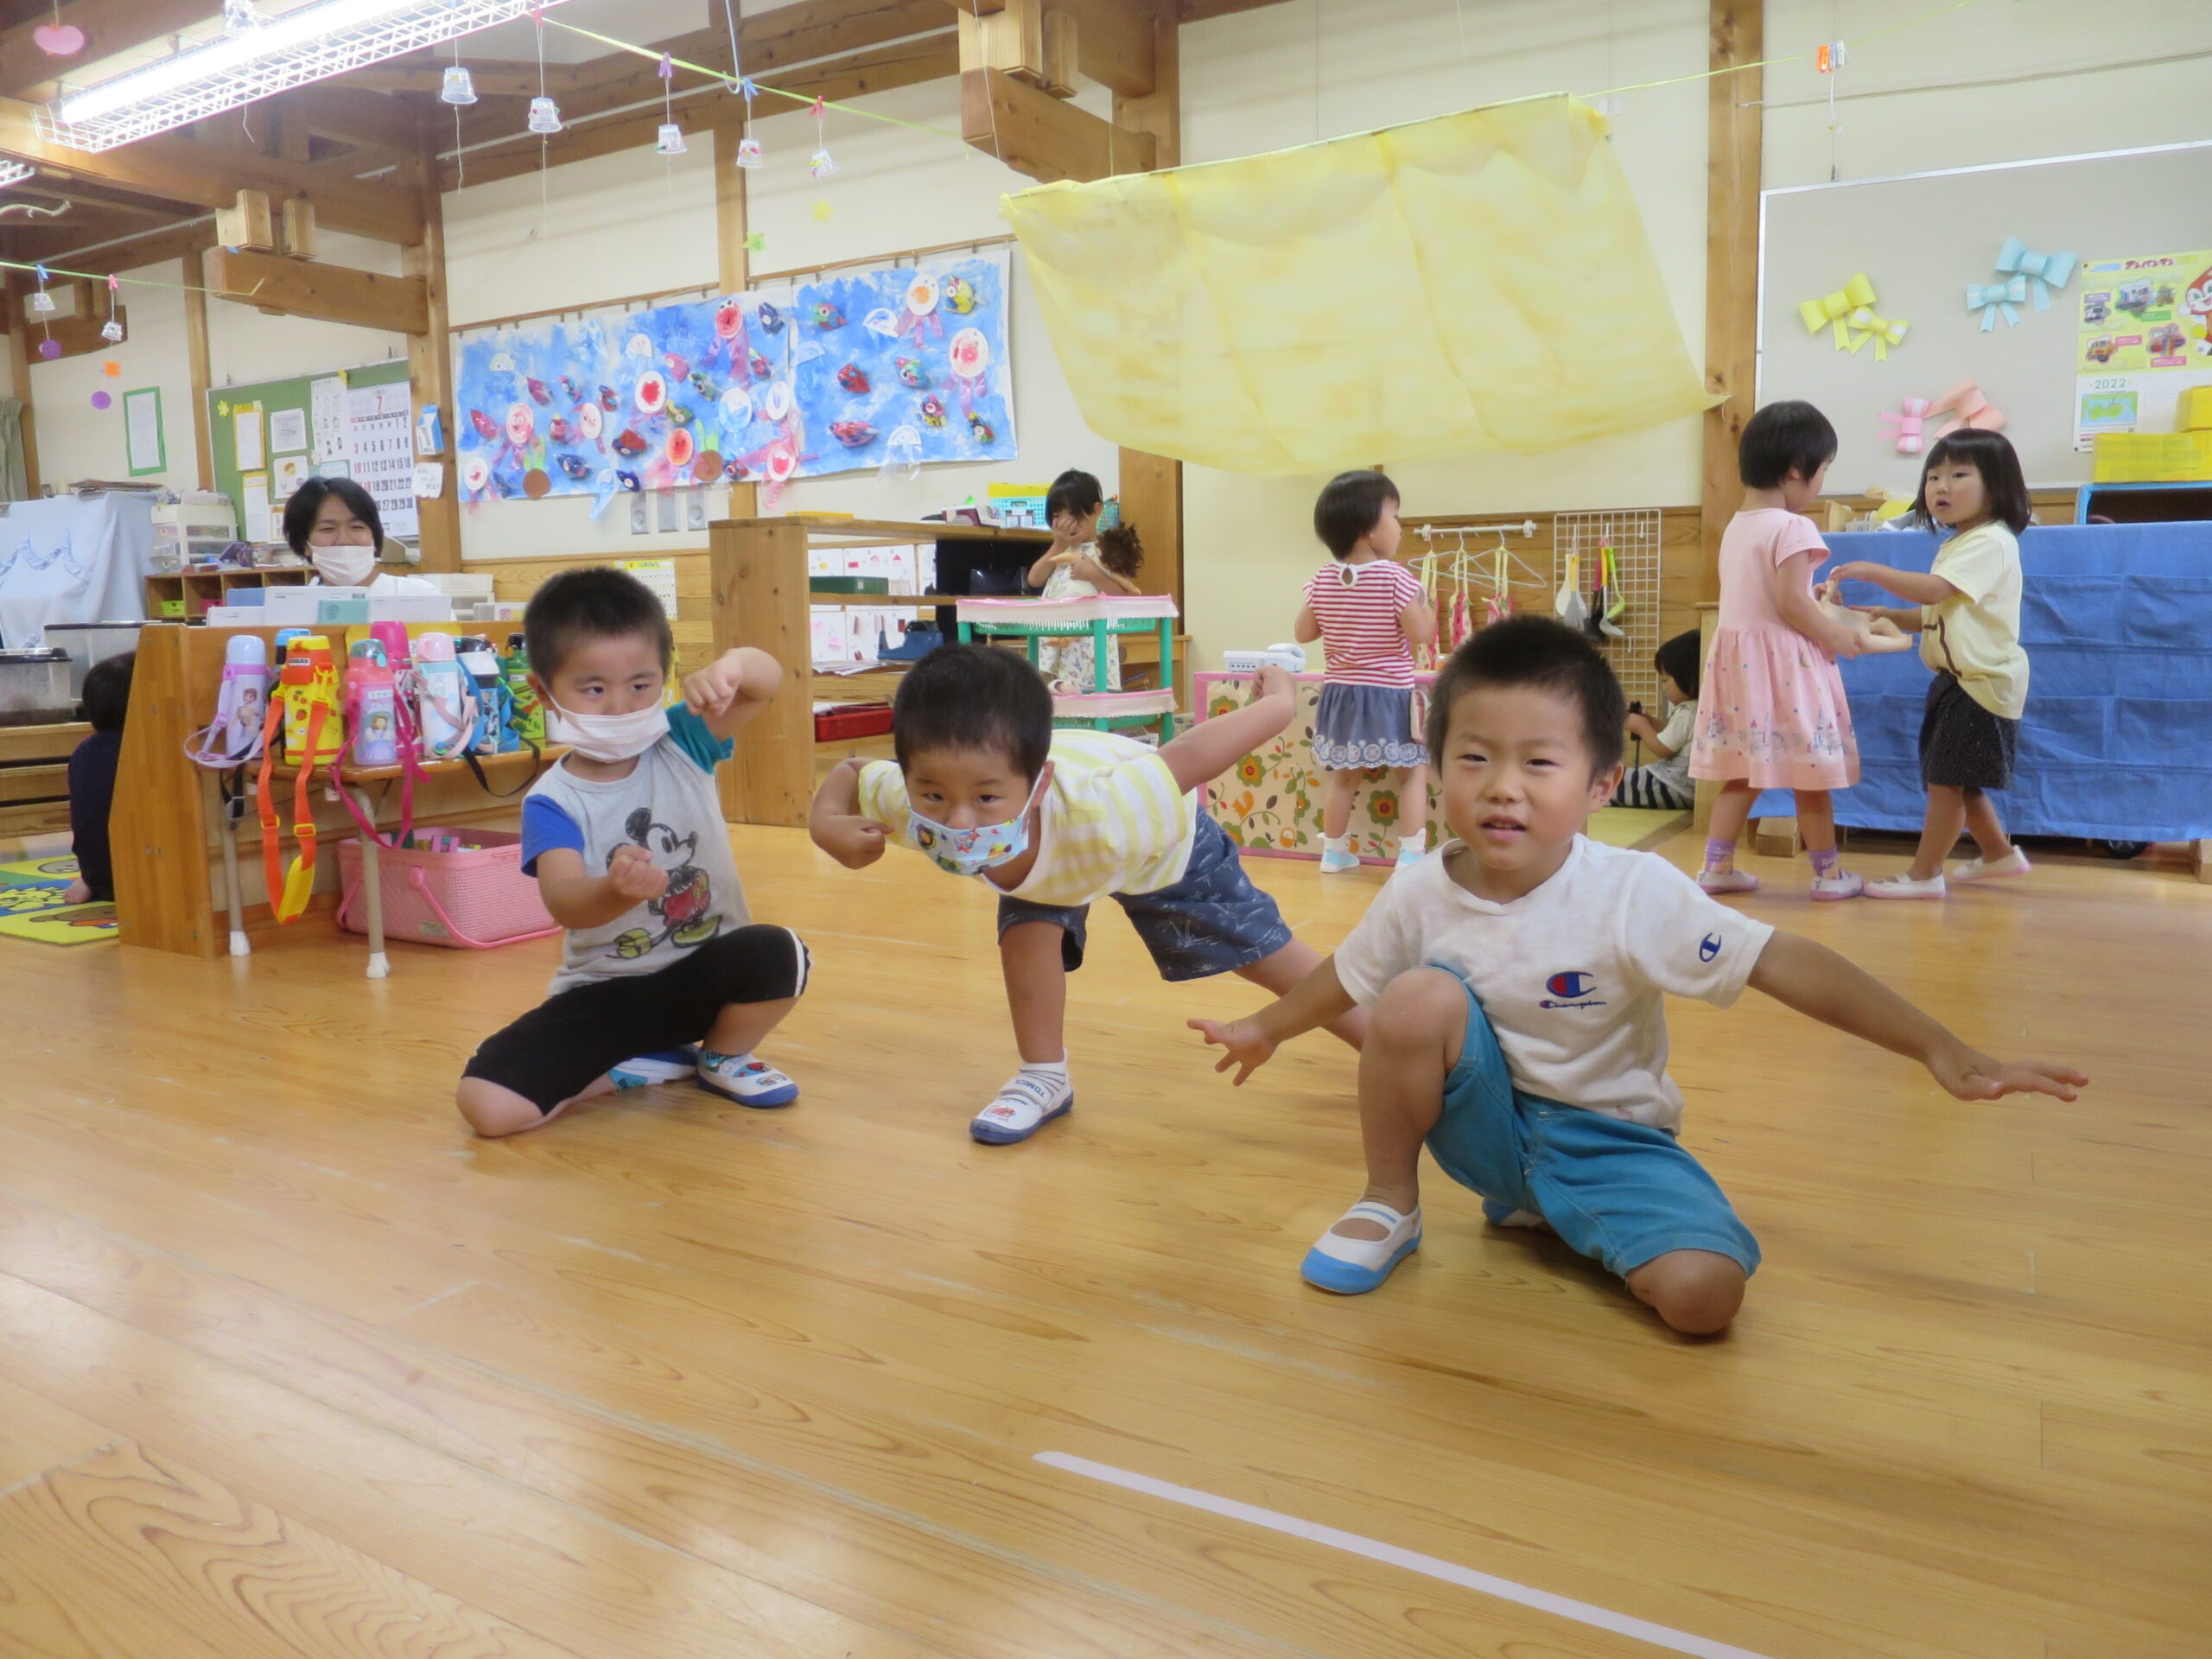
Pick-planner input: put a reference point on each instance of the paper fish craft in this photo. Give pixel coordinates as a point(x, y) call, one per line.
point(487, 428)
point(758, 364)
point(982, 429)
point(854, 434)
point(628, 444)
point(825, 316)
point(607, 400)
point(932, 412)
point(627, 481)
point(561, 431)
point(771, 319)
point(910, 374)
point(680, 414)
point(854, 379)
point(574, 466)
point(960, 294)
point(705, 387)
point(679, 367)
point(539, 392)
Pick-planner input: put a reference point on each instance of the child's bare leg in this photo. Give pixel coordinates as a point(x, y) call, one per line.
point(1696, 1292)
point(1336, 802)
point(1730, 809)
point(1413, 1042)
point(1283, 970)
point(1946, 819)
point(739, 1027)
point(1036, 989)
point(1816, 820)
point(1413, 803)
point(1987, 828)
point(495, 1112)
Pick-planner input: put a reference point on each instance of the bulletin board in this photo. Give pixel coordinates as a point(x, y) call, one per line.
point(289, 405)
point(1921, 240)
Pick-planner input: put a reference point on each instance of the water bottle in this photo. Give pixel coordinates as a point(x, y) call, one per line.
point(482, 666)
point(372, 705)
point(446, 717)
point(392, 636)
point(528, 723)
point(310, 682)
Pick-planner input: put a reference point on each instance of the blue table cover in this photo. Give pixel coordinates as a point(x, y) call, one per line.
point(2117, 740)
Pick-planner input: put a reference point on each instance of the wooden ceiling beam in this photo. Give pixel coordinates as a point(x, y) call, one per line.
point(1113, 42)
point(331, 110)
point(203, 175)
point(904, 64)
point(109, 26)
point(304, 288)
point(1196, 11)
point(1035, 133)
point(126, 253)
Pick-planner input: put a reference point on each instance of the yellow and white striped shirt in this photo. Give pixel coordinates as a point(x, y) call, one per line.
point(1112, 819)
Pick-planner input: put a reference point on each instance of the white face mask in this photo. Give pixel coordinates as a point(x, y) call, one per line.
point(607, 737)
point(342, 565)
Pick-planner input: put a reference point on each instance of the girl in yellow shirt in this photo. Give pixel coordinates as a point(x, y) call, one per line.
point(1966, 610)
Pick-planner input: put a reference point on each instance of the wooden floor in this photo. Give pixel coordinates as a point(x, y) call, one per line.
point(289, 1365)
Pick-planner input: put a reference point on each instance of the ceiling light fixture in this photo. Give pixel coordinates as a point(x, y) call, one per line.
point(308, 43)
point(13, 172)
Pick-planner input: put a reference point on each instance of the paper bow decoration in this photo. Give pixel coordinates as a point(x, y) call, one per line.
point(1990, 298)
point(1882, 331)
point(1835, 309)
point(1965, 406)
point(2044, 270)
point(1909, 422)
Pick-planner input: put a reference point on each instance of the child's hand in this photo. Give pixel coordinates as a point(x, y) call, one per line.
point(1855, 570)
point(854, 842)
point(1249, 1048)
point(1642, 726)
point(1971, 1075)
point(709, 693)
point(634, 876)
point(1273, 681)
point(1843, 642)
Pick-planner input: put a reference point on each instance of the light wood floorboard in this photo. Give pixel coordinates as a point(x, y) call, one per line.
point(289, 1364)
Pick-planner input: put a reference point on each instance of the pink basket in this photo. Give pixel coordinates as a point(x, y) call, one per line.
point(471, 900)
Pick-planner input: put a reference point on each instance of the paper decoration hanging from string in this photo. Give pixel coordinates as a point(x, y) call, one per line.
point(1476, 281)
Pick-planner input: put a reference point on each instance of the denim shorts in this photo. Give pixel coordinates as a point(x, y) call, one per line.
point(1619, 1192)
point(1212, 921)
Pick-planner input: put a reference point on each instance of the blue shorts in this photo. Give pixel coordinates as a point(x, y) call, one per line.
point(1620, 1192)
point(1212, 921)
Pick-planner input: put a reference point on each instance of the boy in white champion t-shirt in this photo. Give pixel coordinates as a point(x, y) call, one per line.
point(1514, 980)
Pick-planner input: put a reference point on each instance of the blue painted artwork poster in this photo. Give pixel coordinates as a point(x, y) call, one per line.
point(851, 371)
point(904, 365)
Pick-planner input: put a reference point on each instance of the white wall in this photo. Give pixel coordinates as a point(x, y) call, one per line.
point(77, 440)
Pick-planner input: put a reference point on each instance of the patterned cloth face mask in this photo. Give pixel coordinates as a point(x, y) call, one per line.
point(971, 852)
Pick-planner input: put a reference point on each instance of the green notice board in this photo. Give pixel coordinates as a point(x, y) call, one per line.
point(293, 442)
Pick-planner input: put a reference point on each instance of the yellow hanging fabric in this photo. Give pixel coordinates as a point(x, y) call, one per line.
point(1480, 281)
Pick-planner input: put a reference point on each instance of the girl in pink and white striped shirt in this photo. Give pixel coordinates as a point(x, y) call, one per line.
point(1370, 613)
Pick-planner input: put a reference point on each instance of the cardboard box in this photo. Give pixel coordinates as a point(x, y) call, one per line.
point(2154, 457)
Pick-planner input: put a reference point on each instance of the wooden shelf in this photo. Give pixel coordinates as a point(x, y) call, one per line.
point(193, 591)
point(886, 533)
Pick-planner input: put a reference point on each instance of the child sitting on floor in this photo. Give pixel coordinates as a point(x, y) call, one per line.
point(626, 839)
point(92, 765)
point(1514, 983)
point(1664, 780)
point(1055, 821)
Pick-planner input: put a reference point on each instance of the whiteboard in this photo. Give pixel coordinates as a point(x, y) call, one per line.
point(1922, 239)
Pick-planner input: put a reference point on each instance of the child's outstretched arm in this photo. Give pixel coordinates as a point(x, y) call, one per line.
point(1793, 598)
point(729, 690)
point(1212, 746)
point(1919, 586)
point(836, 824)
point(578, 899)
point(1817, 981)
point(1316, 1000)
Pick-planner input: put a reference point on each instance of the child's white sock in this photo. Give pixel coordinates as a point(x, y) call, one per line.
point(1337, 843)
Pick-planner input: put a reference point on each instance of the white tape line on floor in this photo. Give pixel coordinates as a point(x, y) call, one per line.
point(1505, 1589)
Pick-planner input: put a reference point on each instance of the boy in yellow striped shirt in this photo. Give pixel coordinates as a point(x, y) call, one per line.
point(1055, 821)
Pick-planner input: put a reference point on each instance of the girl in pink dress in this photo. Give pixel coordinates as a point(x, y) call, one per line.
point(1771, 712)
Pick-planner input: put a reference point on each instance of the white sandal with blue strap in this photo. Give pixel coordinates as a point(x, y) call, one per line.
point(1351, 1267)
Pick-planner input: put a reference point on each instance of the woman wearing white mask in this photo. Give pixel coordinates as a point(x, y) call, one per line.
point(333, 523)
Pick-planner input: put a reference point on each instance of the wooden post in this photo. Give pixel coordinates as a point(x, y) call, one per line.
point(1733, 129)
point(732, 223)
point(1151, 486)
point(760, 598)
point(429, 360)
point(195, 345)
point(19, 370)
point(158, 826)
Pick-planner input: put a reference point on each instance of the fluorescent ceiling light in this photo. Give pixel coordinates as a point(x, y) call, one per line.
point(13, 172)
point(307, 43)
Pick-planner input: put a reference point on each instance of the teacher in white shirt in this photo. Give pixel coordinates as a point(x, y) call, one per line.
point(333, 523)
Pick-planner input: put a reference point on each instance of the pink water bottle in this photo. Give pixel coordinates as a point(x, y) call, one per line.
point(372, 705)
point(393, 636)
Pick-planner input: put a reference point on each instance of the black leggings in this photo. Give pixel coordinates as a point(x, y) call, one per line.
point(556, 1050)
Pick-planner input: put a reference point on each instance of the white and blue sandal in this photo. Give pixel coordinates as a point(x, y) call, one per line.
point(1026, 1103)
point(1351, 1267)
point(644, 1070)
point(745, 1080)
